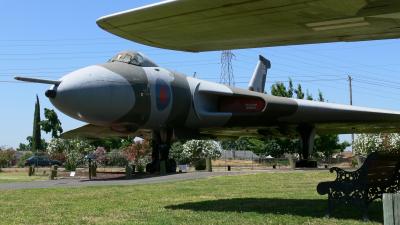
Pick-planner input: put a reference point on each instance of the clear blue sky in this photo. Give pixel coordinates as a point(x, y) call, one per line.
point(51, 38)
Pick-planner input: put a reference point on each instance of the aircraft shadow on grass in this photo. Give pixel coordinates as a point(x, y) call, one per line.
point(297, 207)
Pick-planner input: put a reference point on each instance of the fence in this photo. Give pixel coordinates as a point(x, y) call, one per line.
point(245, 160)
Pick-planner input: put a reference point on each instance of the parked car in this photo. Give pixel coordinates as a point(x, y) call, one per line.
point(41, 161)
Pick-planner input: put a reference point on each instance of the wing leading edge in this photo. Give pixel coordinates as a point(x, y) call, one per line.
point(327, 118)
point(206, 25)
point(91, 131)
point(336, 118)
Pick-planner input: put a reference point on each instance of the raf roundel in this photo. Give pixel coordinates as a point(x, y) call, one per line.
point(163, 94)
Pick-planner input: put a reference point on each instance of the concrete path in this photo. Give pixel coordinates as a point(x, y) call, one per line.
point(148, 180)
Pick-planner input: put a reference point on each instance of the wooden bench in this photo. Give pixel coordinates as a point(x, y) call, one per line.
point(379, 174)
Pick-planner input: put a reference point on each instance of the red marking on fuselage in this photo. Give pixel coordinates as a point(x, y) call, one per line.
point(164, 95)
point(240, 104)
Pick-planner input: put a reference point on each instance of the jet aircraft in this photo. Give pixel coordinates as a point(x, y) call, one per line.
point(131, 95)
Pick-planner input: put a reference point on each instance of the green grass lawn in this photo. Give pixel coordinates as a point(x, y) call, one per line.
point(268, 198)
point(8, 177)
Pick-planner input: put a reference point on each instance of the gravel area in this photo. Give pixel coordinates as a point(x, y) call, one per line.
point(71, 182)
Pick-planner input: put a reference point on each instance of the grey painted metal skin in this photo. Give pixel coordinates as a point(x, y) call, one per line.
point(207, 25)
point(118, 98)
point(257, 81)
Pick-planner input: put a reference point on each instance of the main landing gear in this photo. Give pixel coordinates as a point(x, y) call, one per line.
point(161, 144)
point(307, 135)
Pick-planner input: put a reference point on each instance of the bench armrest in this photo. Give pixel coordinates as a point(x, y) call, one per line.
point(343, 175)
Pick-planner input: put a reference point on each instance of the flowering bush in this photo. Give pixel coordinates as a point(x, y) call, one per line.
point(74, 150)
point(138, 153)
point(198, 149)
point(101, 155)
point(367, 143)
point(56, 145)
point(178, 153)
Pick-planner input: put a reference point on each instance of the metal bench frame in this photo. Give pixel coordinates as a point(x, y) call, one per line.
point(379, 174)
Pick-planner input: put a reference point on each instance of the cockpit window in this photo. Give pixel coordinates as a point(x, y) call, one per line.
point(133, 58)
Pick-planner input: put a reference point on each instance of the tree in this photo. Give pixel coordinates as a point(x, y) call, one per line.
point(251, 144)
point(279, 89)
point(320, 96)
point(324, 144)
point(74, 150)
point(273, 148)
point(228, 144)
point(309, 96)
point(25, 147)
point(51, 123)
point(290, 89)
point(28, 146)
point(299, 92)
point(327, 145)
point(36, 136)
point(288, 145)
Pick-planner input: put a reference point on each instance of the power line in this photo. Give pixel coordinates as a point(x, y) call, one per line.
point(367, 72)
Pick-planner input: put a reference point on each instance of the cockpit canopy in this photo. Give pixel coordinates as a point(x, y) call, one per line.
point(133, 58)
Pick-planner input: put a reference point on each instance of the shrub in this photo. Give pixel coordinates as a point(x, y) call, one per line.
point(177, 153)
point(101, 155)
point(364, 144)
point(138, 154)
point(116, 158)
point(23, 158)
point(7, 157)
point(73, 149)
point(199, 149)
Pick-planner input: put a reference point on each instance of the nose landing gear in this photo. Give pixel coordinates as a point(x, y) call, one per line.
point(161, 145)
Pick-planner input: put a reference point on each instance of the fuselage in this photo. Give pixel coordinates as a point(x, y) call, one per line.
point(131, 92)
point(125, 96)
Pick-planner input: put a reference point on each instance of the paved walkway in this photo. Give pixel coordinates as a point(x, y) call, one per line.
point(148, 180)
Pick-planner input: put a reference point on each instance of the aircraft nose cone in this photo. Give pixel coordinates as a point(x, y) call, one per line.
point(51, 93)
point(94, 95)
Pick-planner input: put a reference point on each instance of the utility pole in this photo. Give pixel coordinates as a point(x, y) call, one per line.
point(350, 79)
point(226, 68)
